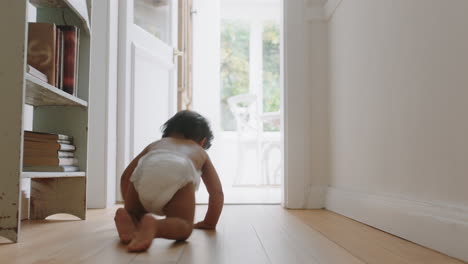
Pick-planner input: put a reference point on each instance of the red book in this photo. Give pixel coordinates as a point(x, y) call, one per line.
point(47, 136)
point(70, 58)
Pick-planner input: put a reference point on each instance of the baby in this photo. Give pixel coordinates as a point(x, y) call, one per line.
point(162, 180)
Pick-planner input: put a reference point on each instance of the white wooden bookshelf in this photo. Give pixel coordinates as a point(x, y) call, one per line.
point(77, 6)
point(31, 174)
point(55, 111)
point(39, 93)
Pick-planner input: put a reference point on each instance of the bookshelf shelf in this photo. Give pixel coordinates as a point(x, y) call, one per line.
point(77, 6)
point(39, 93)
point(29, 175)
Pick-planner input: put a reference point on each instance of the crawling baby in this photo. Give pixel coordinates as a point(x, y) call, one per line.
point(162, 180)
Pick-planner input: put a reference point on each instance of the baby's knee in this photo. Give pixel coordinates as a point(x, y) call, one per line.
point(188, 231)
point(119, 213)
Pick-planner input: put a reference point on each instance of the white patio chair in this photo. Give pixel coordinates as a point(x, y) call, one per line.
point(250, 134)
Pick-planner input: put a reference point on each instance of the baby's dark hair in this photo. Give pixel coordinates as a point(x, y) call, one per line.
point(191, 125)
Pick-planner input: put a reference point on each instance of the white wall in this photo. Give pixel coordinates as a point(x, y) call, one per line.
point(399, 101)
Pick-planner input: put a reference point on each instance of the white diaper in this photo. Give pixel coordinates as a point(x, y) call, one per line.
point(159, 175)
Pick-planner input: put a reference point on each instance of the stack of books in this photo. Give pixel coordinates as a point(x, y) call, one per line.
point(36, 73)
point(53, 50)
point(49, 152)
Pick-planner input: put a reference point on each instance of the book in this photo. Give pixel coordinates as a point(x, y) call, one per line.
point(47, 135)
point(42, 41)
point(48, 161)
point(75, 92)
point(51, 154)
point(65, 168)
point(70, 58)
point(57, 58)
point(35, 139)
point(60, 59)
point(48, 146)
point(36, 73)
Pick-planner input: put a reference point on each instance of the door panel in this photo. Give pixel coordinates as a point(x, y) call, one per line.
point(147, 77)
point(151, 78)
point(154, 16)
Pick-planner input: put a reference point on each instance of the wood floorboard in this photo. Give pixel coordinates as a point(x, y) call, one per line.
point(205, 246)
point(113, 252)
point(308, 239)
point(234, 241)
point(367, 243)
point(42, 239)
point(245, 234)
point(161, 251)
point(279, 245)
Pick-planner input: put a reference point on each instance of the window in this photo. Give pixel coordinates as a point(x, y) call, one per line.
point(154, 17)
point(235, 39)
point(248, 69)
point(271, 70)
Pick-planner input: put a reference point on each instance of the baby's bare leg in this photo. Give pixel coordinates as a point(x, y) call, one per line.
point(178, 225)
point(125, 226)
point(126, 218)
point(180, 212)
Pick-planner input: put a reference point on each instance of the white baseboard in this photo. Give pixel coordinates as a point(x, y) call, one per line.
point(311, 198)
point(443, 228)
point(315, 199)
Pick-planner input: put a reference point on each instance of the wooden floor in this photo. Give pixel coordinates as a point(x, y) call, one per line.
point(246, 234)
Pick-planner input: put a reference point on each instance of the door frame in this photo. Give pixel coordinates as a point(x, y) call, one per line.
point(109, 164)
point(305, 180)
point(123, 97)
point(102, 132)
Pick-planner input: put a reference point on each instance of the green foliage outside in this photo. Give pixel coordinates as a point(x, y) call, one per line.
point(271, 70)
point(235, 67)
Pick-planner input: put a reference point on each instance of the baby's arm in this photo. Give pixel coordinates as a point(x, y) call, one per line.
point(216, 200)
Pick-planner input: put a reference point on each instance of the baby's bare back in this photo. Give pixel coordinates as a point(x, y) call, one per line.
point(185, 147)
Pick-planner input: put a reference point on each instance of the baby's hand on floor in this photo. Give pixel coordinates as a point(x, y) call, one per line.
point(203, 225)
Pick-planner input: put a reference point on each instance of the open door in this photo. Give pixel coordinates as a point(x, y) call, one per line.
point(237, 86)
point(147, 93)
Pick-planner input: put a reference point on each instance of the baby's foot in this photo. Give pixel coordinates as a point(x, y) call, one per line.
point(144, 236)
point(125, 226)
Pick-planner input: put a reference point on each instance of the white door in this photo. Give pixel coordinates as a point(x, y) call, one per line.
point(147, 75)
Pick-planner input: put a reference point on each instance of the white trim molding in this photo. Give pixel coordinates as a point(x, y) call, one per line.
point(441, 227)
point(314, 196)
point(102, 106)
point(304, 186)
point(316, 13)
point(330, 8)
point(322, 13)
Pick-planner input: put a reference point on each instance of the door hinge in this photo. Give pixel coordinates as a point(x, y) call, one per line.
point(176, 54)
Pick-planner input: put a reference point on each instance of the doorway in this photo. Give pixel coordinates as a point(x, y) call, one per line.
point(237, 86)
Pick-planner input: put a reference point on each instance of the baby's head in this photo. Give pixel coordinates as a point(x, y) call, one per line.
point(191, 125)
